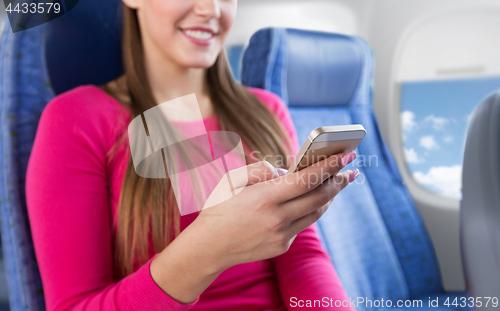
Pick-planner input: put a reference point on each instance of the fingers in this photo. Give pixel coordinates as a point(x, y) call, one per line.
point(234, 181)
point(262, 171)
point(304, 222)
point(310, 204)
point(296, 184)
point(253, 173)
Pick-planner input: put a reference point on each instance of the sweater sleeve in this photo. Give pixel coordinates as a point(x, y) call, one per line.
point(305, 271)
point(68, 199)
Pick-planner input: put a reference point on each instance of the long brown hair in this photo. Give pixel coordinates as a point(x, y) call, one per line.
point(147, 207)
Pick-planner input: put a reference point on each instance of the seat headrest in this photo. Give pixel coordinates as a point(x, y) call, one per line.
point(308, 68)
point(480, 205)
point(84, 45)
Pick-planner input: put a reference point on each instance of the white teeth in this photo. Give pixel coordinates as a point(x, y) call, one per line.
point(197, 34)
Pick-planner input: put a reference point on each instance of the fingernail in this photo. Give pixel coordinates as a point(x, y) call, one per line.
point(348, 158)
point(282, 172)
point(353, 175)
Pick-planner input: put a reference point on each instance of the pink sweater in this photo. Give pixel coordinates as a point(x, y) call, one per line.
point(72, 191)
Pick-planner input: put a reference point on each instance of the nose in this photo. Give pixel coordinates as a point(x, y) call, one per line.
point(207, 8)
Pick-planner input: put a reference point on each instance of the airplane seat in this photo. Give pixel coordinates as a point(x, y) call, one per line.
point(480, 205)
point(375, 236)
point(80, 47)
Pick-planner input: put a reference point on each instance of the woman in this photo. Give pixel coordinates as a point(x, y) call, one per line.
point(104, 237)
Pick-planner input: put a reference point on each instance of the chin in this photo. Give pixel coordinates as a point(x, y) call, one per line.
point(200, 62)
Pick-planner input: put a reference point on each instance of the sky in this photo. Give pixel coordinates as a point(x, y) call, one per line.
point(434, 118)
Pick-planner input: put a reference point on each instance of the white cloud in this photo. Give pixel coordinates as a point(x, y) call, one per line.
point(428, 142)
point(448, 139)
point(447, 180)
point(437, 123)
point(408, 121)
point(412, 156)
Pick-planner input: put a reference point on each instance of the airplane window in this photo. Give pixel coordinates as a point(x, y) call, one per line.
point(446, 68)
point(434, 117)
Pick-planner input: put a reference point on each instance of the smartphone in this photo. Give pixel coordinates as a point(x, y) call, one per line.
point(327, 141)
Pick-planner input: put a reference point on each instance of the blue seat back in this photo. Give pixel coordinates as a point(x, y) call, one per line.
point(80, 47)
point(24, 92)
point(84, 46)
point(374, 234)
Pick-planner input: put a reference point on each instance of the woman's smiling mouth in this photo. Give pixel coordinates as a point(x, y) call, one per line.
point(199, 35)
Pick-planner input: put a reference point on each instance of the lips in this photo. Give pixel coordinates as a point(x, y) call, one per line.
point(199, 35)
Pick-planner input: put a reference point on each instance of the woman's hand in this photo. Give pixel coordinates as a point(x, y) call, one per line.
point(259, 222)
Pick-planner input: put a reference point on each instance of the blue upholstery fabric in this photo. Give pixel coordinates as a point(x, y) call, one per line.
point(80, 47)
point(84, 46)
point(234, 54)
point(372, 230)
point(24, 92)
